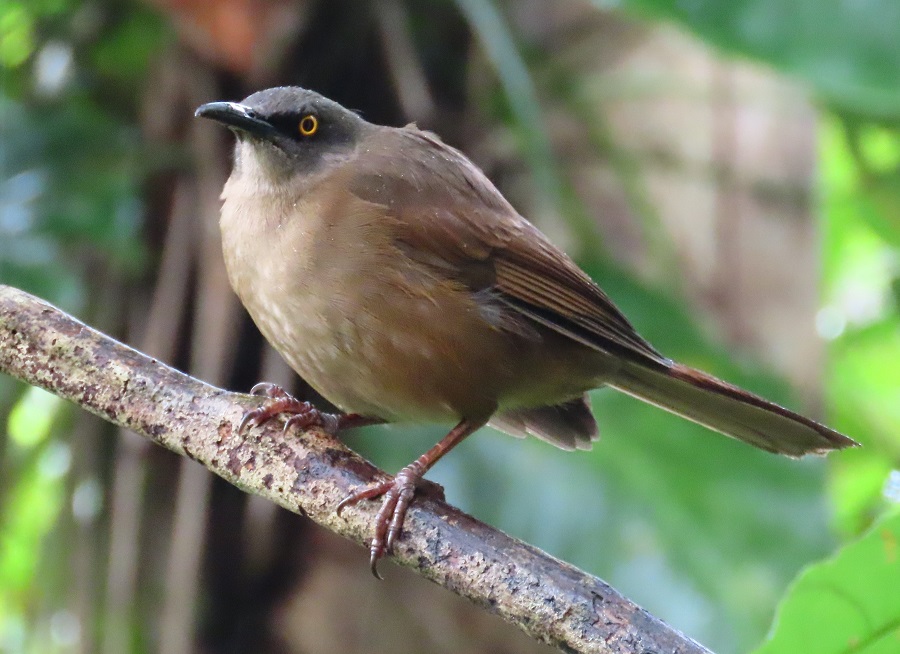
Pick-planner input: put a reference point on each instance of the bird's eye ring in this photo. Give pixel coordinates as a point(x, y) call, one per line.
point(309, 125)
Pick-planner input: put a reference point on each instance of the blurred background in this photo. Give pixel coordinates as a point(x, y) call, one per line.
point(729, 171)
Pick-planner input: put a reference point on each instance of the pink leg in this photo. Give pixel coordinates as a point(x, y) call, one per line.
point(398, 493)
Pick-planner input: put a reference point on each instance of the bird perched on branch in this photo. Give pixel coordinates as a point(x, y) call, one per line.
point(394, 277)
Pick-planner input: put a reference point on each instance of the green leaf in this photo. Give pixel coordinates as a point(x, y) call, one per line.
point(861, 236)
point(849, 603)
point(31, 418)
point(857, 488)
point(16, 35)
point(848, 51)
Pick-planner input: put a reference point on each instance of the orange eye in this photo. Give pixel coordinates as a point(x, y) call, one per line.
point(309, 125)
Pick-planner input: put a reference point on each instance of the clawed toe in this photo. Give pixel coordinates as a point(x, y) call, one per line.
point(301, 414)
point(252, 417)
point(269, 390)
point(398, 494)
point(279, 401)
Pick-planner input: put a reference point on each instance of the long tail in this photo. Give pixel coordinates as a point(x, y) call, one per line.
point(728, 409)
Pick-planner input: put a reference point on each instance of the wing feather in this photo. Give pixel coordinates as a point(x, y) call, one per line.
point(447, 213)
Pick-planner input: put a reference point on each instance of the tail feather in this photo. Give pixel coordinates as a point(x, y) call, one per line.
point(728, 409)
point(569, 425)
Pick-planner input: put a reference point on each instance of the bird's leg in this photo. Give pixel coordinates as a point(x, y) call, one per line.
point(302, 414)
point(399, 492)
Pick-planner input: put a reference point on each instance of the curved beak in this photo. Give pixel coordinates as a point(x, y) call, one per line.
point(236, 116)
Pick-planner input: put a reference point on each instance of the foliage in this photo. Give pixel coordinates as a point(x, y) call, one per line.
point(848, 603)
point(848, 52)
point(861, 171)
point(69, 161)
point(32, 506)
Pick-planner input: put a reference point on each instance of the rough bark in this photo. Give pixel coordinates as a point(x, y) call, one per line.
point(309, 472)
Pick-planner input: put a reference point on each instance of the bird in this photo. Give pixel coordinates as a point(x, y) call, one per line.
point(395, 278)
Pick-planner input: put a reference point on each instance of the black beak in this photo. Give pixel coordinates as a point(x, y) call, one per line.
point(237, 116)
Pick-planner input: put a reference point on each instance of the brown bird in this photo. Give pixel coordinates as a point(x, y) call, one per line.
point(394, 277)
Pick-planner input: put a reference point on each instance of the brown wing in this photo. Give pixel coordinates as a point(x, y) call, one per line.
point(451, 217)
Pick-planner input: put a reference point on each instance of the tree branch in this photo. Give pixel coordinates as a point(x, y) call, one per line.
point(309, 472)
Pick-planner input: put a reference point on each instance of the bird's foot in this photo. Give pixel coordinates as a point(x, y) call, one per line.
point(398, 494)
point(278, 401)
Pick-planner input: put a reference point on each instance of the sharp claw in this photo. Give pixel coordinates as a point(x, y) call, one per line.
point(373, 564)
point(248, 418)
point(262, 388)
point(343, 504)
